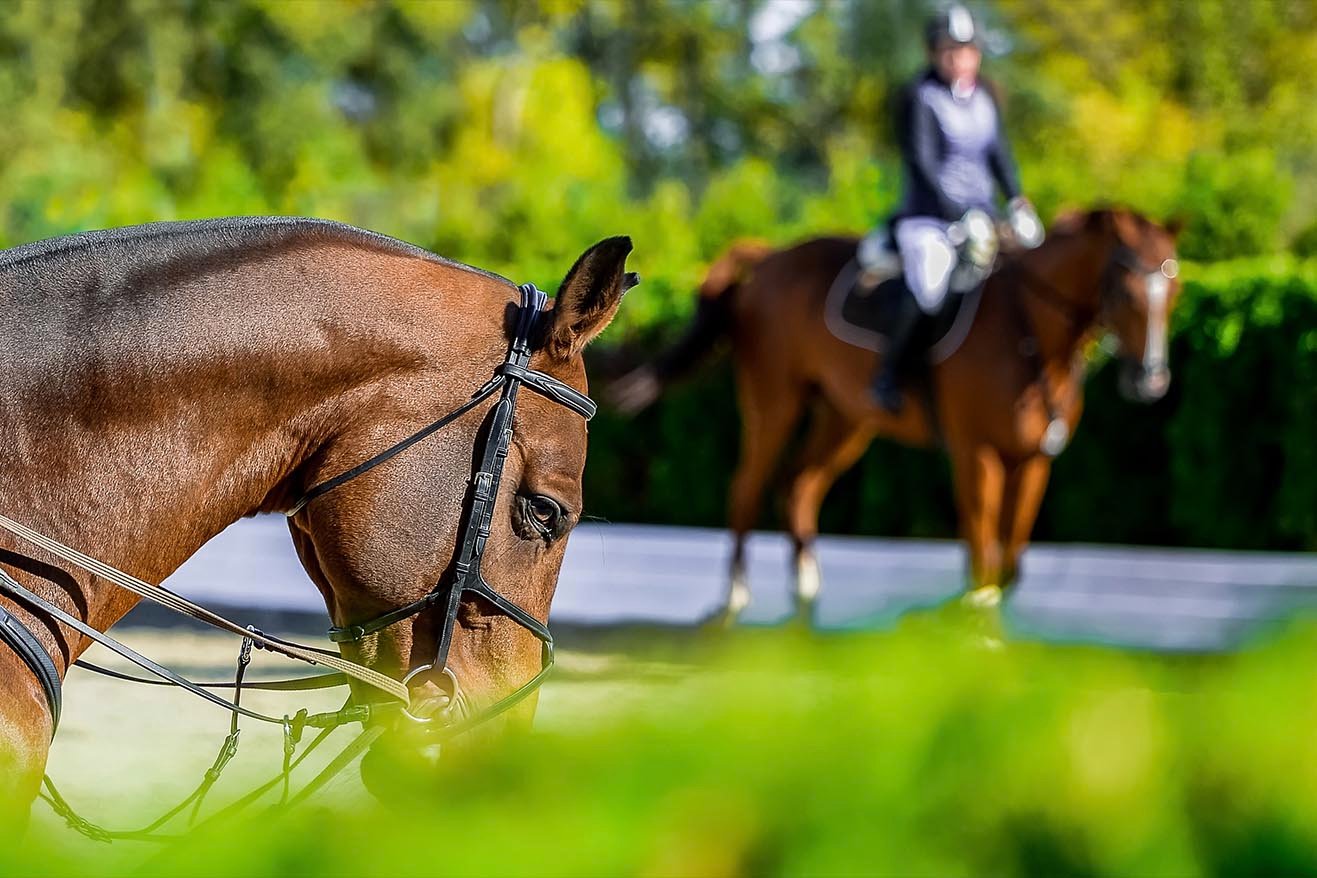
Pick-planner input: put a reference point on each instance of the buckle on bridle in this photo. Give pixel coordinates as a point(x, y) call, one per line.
point(483, 483)
point(347, 634)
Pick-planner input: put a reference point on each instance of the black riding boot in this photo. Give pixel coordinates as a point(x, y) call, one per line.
point(887, 385)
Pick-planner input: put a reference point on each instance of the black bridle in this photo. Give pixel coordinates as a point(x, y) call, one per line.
point(474, 531)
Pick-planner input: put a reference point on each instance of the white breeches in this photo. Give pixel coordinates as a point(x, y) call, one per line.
point(927, 258)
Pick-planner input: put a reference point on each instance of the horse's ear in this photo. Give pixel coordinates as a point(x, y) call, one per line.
point(1128, 227)
point(1174, 226)
point(589, 296)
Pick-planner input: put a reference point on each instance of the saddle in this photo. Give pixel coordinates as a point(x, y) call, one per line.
point(859, 312)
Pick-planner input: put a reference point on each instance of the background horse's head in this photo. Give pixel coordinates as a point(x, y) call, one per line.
point(384, 540)
point(1140, 285)
point(1133, 261)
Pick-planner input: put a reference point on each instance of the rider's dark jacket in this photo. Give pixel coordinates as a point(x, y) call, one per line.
point(954, 149)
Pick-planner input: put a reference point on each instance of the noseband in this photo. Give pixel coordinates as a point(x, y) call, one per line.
point(476, 525)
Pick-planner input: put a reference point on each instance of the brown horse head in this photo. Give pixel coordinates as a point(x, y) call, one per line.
point(388, 538)
point(165, 380)
point(1139, 285)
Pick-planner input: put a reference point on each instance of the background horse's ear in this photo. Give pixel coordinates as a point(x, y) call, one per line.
point(589, 296)
point(1130, 227)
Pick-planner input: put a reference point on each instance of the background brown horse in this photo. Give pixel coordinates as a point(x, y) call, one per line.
point(163, 381)
point(1020, 365)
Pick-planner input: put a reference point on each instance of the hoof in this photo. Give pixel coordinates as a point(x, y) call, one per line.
point(986, 597)
point(982, 609)
point(738, 598)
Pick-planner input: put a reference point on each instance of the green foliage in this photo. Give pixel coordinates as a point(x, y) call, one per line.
point(1234, 205)
point(1155, 103)
point(1244, 436)
point(1304, 244)
point(1228, 459)
point(912, 753)
point(513, 134)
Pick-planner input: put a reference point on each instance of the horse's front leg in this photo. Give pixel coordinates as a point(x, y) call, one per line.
point(979, 475)
point(1026, 483)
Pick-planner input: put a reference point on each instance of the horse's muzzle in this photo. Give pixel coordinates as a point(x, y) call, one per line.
point(1142, 384)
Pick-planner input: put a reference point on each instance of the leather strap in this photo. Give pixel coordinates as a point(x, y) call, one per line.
point(513, 369)
point(59, 615)
point(476, 527)
point(548, 386)
point(34, 655)
point(179, 604)
point(294, 684)
point(486, 391)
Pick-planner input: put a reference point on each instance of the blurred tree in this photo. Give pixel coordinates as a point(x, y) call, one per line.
point(509, 133)
point(413, 117)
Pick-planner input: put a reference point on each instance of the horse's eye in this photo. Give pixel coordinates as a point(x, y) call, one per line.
point(546, 511)
point(542, 514)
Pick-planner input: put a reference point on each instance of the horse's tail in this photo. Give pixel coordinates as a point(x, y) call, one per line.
point(713, 315)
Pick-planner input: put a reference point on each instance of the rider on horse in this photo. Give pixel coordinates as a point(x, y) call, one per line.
point(954, 151)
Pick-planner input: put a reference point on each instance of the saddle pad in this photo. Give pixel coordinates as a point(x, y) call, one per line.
point(860, 316)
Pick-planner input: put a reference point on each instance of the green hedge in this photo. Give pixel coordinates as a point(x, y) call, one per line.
point(776, 755)
point(1228, 459)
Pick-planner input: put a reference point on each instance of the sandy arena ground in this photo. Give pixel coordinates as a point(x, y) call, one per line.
point(126, 749)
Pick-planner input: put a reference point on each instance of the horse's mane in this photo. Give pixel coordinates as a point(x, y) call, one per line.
point(171, 243)
point(1072, 220)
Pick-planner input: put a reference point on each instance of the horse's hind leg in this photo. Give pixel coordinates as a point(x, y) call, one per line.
point(833, 446)
point(769, 411)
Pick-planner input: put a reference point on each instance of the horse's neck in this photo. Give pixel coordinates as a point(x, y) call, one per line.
point(153, 441)
point(1059, 291)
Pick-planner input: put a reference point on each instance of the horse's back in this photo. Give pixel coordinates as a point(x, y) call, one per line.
point(779, 327)
point(793, 282)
